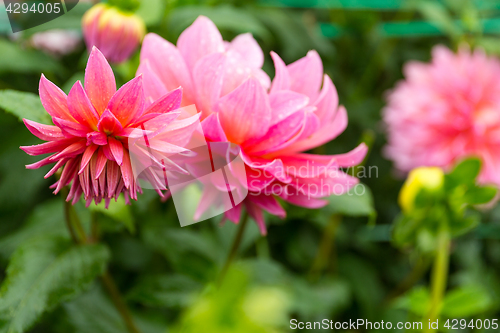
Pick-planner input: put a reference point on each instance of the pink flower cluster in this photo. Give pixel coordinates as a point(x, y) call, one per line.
point(273, 122)
point(445, 111)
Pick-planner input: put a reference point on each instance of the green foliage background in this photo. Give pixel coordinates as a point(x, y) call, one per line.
point(338, 262)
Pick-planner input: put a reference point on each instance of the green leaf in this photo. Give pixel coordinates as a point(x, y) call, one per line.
point(92, 312)
point(43, 273)
point(165, 291)
point(24, 105)
point(14, 59)
point(480, 195)
point(47, 219)
point(465, 172)
point(416, 300)
point(466, 302)
point(356, 202)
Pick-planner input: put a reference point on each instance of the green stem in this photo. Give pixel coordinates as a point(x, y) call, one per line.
point(439, 276)
point(80, 237)
point(67, 219)
point(118, 301)
point(325, 248)
point(234, 248)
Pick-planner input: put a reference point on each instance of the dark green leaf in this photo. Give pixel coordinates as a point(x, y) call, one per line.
point(24, 105)
point(165, 291)
point(47, 219)
point(92, 312)
point(43, 273)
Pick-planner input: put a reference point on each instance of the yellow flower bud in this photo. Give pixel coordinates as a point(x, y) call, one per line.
point(428, 178)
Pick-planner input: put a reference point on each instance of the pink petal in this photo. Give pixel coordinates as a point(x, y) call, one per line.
point(126, 169)
point(311, 126)
point(81, 108)
point(302, 200)
point(101, 163)
point(269, 204)
point(53, 99)
point(44, 132)
point(328, 101)
point(40, 163)
point(281, 79)
point(349, 159)
point(99, 80)
point(47, 147)
point(208, 77)
point(245, 113)
point(234, 214)
point(198, 40)
point(249, 49)
point(128, 102)
point(236, 71)
point(255, 213)
point(277, 135)
point(153, 87)
point(270, 168)
point(285, 103)
point(97, 138)
point(112, 177)
point(70, 151)
point(306, 75)
point(109, 124)
point(54, 169)
point(71, 128)
point(87, 155)
point(67, 174)
point(166, 103)
point(168, 64)
point(116, 149)
point(257, 180)
point(326, 133)
point(212, 128)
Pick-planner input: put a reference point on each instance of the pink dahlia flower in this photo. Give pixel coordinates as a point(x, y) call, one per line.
point(272, 123)
point(93, 125)
point(117, 34)
point(445, 111)
point(206, 66)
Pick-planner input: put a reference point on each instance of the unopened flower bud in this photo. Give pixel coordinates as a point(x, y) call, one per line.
point(422, 178)
point(116, 33)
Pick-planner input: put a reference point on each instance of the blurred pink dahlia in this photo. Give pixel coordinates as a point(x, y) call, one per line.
point(273, 124)
point(445, 111)
point(92, 126)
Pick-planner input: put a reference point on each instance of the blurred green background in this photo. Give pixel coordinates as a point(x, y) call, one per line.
point(337, 262)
